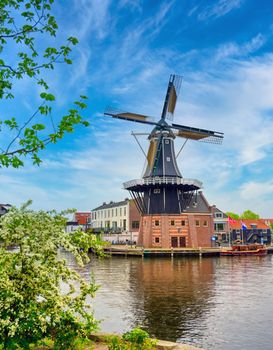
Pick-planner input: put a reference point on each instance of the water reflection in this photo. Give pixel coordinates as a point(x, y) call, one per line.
point(214, 303)
point(170, 295)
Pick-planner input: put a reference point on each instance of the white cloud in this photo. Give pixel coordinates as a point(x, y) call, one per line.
point(256, 190)
point(219, 9)
point(231, 49)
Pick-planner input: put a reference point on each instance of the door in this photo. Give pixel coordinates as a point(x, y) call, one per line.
point(174, 241)
point(182, 241)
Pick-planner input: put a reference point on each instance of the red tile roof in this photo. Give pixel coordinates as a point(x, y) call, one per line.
point(261, 224)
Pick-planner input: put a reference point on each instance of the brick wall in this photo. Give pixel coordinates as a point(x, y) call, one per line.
point(196, 230)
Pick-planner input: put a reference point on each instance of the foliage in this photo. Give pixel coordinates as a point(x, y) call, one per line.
point(136, 339)
point(248, 214)
point(233, 215)
point(32, 305)
point(25, 25)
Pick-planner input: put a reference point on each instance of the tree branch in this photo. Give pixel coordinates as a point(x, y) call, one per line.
point(22, 128)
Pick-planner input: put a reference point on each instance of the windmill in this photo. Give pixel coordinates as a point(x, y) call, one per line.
point(162, 191)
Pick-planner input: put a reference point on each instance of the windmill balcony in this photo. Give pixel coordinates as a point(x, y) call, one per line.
point(162, 180)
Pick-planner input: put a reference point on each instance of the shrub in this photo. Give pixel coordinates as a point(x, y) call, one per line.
point(32, 305)
point(136, 339)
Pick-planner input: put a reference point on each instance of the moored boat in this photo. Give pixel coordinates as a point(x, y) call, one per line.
point(249, 249)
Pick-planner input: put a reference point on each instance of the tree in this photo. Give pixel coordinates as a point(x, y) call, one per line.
point(32, 306)
point(232, 215)
point(248, 214)
point(24, 26)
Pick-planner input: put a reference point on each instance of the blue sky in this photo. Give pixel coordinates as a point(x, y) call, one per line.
point(127, 50)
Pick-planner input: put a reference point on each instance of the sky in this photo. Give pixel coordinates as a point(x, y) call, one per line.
point(127, 50)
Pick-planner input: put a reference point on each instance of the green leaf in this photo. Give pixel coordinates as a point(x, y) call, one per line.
point(73, 40)
point(38, 127)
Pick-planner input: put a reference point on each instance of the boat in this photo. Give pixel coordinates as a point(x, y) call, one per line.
point(247, 249)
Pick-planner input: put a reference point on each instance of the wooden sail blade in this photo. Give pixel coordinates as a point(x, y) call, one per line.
point(196, 134)
point(140, 118)
point(172, 100)
point(151, 153)
point(171, 96)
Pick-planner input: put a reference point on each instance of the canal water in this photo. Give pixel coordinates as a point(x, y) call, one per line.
point(215, 303)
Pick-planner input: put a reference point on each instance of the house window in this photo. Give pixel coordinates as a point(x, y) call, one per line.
point(135, 224)
point(114, 225)
point(219, 227)
point(183, 223)
point(157, 240)
point(156, 222)
point(157, 190)
point(205, 223)
point(172, 222)
point(218, 215)
point(124, 224)
point(124, 211)
point(253, 225)
point(197, 223)
point(112, 212)
point(168, 159)
point(167, 142)
point(116, 211)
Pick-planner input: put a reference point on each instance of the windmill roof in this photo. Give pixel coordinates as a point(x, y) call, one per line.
point(202, 206)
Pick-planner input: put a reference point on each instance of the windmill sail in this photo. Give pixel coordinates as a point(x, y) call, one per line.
point(140, 118)
point(196, 134)
point(171, 96)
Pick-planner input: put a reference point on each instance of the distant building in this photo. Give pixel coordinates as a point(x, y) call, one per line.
point(250, 231)
point(4, 208)
point(119, 221)
point(83, 218)
point(80, 220)
point(221, 226)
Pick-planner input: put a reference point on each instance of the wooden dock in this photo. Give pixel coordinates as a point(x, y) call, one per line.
point(124, 250)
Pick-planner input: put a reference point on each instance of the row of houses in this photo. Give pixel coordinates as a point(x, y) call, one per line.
point(119, 222)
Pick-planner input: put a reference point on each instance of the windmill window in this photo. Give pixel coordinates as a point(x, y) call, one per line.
point(205, 223)
point(197, 223)
point(172, 222)
point(167, 142)
point(168, 159)
point(157, 190)
point(157, 240)
point(156, 222)
point(183, 223)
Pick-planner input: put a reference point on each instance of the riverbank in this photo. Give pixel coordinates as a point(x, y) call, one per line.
point(125, 250)
point(100, 339)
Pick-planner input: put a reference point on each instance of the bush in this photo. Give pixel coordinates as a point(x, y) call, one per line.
point(136, 339)
point(32, 306)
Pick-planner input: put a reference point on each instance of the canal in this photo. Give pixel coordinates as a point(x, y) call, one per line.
point(215, 303)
